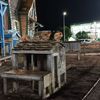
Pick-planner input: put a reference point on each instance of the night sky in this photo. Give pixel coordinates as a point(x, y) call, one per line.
point(49, 12)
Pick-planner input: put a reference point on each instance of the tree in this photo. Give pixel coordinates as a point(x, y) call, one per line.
point(82, 35)
point(68, 32)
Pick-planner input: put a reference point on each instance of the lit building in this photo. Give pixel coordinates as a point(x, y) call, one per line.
point(92, 28)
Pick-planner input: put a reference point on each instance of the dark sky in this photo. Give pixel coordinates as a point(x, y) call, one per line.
point(49, 12)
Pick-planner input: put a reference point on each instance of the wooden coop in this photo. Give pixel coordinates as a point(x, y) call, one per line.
point(38, 67)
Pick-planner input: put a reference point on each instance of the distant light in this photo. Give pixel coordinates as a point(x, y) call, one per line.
point(94, 23)
point(64, 13)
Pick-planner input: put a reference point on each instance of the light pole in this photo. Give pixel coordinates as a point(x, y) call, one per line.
point(95, 30)
point(64, 14)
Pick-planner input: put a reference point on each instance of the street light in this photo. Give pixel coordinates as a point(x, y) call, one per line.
point(95, 30)
point(64, 14)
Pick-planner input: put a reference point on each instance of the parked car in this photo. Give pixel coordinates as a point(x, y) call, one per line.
point(85, 41)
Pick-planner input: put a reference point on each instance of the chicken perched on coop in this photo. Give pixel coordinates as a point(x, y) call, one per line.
point(42, 36)
point(58, 36)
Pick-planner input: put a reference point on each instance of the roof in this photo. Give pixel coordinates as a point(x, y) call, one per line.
point(40, 46)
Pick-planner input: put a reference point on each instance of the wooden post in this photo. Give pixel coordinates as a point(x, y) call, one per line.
point(25, 62)
point(52, 70)
point(49, 62)
point(5, 85)
point(14, 61)
point(32, 84)
point(40, 88)
point(15, 86)
point(38, 62)
point(32, 62)
point(78, 55)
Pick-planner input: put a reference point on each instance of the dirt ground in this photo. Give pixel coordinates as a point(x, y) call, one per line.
point(80, 78)
point(85, 60)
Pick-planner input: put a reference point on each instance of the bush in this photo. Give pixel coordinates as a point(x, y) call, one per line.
point(82, 35)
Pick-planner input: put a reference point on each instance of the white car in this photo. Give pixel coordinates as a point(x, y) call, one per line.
point(85, 41)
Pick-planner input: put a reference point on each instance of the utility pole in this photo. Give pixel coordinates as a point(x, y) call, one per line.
point(64, 14)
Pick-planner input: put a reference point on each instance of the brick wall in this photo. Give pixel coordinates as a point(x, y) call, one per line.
point(17, 12)
point(13, 9)
point(13, 4)
point(23, 24)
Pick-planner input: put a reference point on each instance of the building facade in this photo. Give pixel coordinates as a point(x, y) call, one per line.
point(17, 16)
